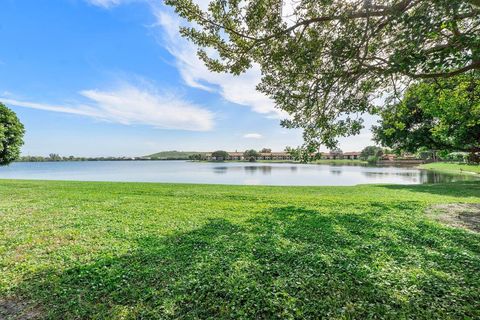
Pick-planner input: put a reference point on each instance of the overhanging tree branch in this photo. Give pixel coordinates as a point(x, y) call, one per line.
point(337, 56)
point(471, 66)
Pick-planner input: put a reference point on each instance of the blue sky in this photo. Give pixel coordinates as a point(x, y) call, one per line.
point(113, 77)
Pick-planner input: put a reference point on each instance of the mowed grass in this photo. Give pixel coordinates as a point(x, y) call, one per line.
point(452, 167)
point(80, 250)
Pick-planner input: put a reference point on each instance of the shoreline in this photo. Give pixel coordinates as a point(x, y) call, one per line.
point(451, 168)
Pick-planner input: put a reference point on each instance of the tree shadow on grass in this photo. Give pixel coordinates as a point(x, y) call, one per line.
point(462, 189)
point(287, 262)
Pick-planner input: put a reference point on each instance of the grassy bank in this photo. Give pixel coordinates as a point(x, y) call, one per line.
point(78, 250)
point(451, 167)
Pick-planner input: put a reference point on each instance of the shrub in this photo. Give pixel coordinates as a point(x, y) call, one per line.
point(473, 158)
point(372, 159)
point(371, 151)
point(457, 156)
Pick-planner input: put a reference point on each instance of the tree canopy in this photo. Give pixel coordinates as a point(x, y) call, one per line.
point(371, 151)
point(435, 115)
point(220, 155)
point(251, 155)
point(11, 135)
point(326, 61)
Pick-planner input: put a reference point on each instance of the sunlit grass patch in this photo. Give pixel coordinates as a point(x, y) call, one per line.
point(126, 250)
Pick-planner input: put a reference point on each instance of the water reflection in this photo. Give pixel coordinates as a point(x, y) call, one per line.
point(220, 170)
point(265, 170)
point(249, 169)
point(417, 176)
point(287, 174)
point(373, 174)
point(435, 177)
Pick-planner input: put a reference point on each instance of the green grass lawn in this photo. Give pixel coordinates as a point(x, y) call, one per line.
point(451, 167)
point(79, 250)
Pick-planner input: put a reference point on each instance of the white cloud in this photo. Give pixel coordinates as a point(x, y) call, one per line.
point(253, 136)
point(131, 105)
point(237, 89)
point(105, 3)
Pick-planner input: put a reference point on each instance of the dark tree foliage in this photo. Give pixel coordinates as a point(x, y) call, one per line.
point(11, 135)
point(251, 155)
point(220, 155)
point(327, 61)
point(196, 157)
point(55, 157)
point(434, 115)
point(371, 151)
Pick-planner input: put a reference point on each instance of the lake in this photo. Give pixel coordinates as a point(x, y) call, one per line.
point(239, 173)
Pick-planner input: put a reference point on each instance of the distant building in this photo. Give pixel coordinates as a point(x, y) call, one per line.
point(238, 156)
point(354, 155)
point(338, 155)
point(235, 155)
point(285, 156)
point(332, 155)
point(275, 156)
point(389, 157)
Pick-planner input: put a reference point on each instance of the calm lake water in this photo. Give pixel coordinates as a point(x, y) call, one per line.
point(224, 173)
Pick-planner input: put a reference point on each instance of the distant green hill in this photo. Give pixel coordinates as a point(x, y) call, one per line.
point(174, 154)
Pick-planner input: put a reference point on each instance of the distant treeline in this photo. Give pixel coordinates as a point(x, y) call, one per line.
point(167, 155)
point(55, 157)
point(174, 155)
